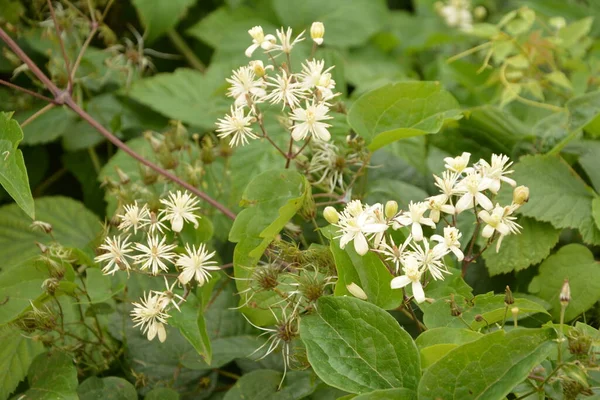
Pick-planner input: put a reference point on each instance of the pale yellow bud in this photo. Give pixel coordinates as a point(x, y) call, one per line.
point(521, 195)
point(356, 291)
point(331, 215)
point(317, 31)
point(391, 208)
point(479, 12)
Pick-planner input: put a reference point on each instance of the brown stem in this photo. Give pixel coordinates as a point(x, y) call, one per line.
point(29, 92)
point(289, 153)
point(64, 97)
point(62, 46)
point(302, 148)
point(83, 49)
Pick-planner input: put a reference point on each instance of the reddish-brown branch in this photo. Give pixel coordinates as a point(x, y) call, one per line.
point(64, 97)
point(29, 92)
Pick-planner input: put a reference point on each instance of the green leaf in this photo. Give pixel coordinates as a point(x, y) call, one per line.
point(185, 95)
point(358, 347)
point(47, 127)
point(385, 394)
point(366, 271)
point(575, 32)
point(576, 263)
point(102, 287)
point(263, 384)
point(19, 287)
point(583, 109)
point(400, 110)
point(596, 211)
point(436, 343)
point(190, 322)
point(16, 354)
point(161, 16)
point(558, 195)
point(52, 375)
point(109, 388)
point(272, 199)
point(162, 394)
point(518, 252)
point(13, 174)
point(346, 24)
point(488, 368)
point(488, 305)
point(72, 226)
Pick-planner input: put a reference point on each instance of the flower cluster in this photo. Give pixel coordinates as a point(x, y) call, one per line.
point(462, 188)
point(456, 13)
point(304, 96)
point(153, 253)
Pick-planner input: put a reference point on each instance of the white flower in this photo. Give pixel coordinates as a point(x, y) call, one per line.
point(449, 242)
point(496, 171)
point(499, 220)
point(150, 314)
point(458, 164)
point(286, 91)
point(180, 208)
point(259, 68)
point(313, 76)
point(472, 185)
point(196, 263)
point(285, 39)
point(244, 84)
point(134, 217)
point(238, 125)
point(414, 218)
point(393, 253)
point(329, 164)
point(117, 250)
point(168, 296)
point(429, 260)
point(437, 204)
point(412, 275)
point(317, 31)
point(447, 183)
point(154, 254)
point(308, 120)
point(356, 223)
point(259, 39)
point(457, 14)
point(155, 224)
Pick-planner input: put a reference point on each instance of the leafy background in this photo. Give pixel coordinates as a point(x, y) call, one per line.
point(374, 44)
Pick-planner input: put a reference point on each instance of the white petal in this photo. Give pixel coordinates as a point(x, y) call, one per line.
point(483, 201)
point(458, 253)
point(418, 292)
point(511, 182)
point(417, 231)
point(360, 244)
point(251, 49)
point(466, 201)
point(503, 229)
point(345, 239)
point(437, 238)
point(177, 223)
point(488, 231)
point(399, 282)
point(162, 333)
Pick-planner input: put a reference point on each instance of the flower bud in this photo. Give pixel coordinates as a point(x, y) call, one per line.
point(317, 31)
point(41, 226)
point(479, 318)
point(565, 293)
point(521, 195)
point(508, 297)
point(391, 208)
point(515, 312)
point(480, 12)
point(50, 285)
point(43, 248)
point(123, 177)
point(331, 215)
point(356, 291)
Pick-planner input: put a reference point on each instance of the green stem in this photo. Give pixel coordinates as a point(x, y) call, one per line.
point(185, 50)
point(560, 145)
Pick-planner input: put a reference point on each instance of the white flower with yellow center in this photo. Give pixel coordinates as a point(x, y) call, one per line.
point(392, 253)
point(244, 85)
point(447, 183)
point(437, 205)
point(117, 251)
point(414, 218)
point(499, 220)
point(134, 217)
point(449, 242)
point(471, 186)
point(356, 223)
point(429, 260)
point(458, 164)
point(149, 313)
point(196, 263)
point(495, 173)
point(313, 76)
point(237, 124)
point(412, 276)
point(180, 208)
point(285, 91)
point(309, 121)
point(155, 254)
point(259, 39)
